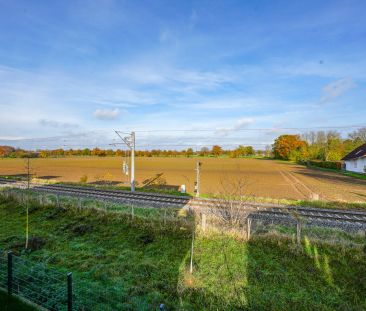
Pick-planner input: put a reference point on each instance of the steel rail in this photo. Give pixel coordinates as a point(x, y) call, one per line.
point(199, 203)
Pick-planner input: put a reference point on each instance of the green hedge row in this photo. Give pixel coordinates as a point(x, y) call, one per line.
point(336, 165)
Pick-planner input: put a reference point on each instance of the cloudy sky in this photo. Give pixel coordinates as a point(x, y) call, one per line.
point(71, 67)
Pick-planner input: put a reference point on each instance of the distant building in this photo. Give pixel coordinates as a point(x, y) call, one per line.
point(355, 161)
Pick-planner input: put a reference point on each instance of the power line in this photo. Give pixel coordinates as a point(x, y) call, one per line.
point(250, 129)
point(65, 137)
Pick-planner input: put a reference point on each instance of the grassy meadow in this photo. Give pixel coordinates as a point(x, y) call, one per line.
point(137, 264)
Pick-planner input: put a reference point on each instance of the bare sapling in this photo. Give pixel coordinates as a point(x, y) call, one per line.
point(231, 207)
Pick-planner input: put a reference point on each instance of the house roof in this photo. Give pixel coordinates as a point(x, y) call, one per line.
point(357, 153)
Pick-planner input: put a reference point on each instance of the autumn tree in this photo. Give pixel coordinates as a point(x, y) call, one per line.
point(216, 151)
point(6, 150)
point(189, 152)
point(249, 150)
point(289, 147)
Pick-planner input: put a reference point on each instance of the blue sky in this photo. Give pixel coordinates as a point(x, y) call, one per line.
point(69, 67)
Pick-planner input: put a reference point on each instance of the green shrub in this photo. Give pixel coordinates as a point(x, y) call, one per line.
point(336, 165)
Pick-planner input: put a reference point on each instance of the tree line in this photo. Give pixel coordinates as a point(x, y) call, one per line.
point(314, 145)
point(317, 145)
point(215, 151)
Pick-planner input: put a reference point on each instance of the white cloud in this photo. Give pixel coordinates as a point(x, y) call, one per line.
point(106, 114)
point(57, 124)
point(336, 89)
point(240, 124)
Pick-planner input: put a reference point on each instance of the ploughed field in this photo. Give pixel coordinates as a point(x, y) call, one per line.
point(261, 178)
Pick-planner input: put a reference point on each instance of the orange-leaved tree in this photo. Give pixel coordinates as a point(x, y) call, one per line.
point(289, 147)
point(216, 151)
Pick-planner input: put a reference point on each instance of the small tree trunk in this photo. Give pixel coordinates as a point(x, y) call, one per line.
point(249, 223)
point(192, 248)
point(203, 222)
point(27, 226)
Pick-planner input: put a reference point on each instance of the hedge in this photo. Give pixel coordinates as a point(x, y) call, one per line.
point(336, 165)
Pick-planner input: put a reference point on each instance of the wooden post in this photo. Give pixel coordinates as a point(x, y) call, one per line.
point(249, 223)
point(203, 222)
point(298, 232)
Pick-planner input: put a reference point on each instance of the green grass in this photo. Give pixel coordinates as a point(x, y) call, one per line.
point(142, 263)
point(11, 303)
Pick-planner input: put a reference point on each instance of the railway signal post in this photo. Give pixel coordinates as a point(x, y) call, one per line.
point(130, 142)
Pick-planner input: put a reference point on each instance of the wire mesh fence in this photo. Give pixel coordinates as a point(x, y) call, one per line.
point(254, 224)
point(3, 269)
point(56, 291)
point(33, 281)
point(43, 286)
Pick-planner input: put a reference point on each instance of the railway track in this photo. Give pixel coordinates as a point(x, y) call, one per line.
point(163, 200)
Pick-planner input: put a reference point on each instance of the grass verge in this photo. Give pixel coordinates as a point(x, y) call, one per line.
point(139, 264)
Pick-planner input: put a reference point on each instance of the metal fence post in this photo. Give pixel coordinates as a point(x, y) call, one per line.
point(69, 291)
point(10, 273)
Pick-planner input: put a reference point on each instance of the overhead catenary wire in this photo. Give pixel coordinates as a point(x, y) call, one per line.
point(250, 129)
point(216, 129)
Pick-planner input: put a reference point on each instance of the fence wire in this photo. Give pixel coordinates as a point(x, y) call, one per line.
point(35, 282)
point(3, 269)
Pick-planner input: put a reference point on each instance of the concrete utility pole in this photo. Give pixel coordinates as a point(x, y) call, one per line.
point(197, 183)
point(130, 141)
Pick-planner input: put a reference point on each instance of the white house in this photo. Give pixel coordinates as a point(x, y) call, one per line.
point(355, 161)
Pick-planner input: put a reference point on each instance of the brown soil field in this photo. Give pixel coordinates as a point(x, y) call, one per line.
point(262, 178)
